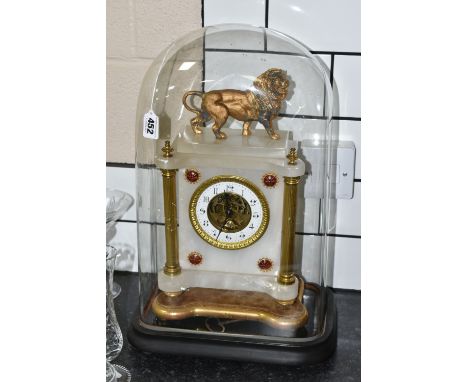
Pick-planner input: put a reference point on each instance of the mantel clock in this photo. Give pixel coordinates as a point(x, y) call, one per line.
point(225, 269)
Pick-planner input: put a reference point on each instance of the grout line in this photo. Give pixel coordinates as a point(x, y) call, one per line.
point(320, 216)
point(335, 53)
point(131, 165)
point(226, 50)
point(345, 290)
point(146, 166)
point(125, 221)
point(203, 13)
point(204, 65)
point(336, 118)
point(345, 236)
point(332, 68)
point(267, 5)
point(305, 116)
point(297, 233)
point(222, 50)
point(134, 221)
point(330, 235)
point(116, 164)
point(324, 99)
point(301, 116)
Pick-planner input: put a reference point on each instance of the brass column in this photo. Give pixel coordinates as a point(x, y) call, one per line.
point(172, 266)
point(288, 232)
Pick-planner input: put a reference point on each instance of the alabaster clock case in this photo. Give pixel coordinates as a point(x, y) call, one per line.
point(226, 269)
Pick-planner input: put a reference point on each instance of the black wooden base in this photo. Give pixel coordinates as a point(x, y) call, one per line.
point(287, 352)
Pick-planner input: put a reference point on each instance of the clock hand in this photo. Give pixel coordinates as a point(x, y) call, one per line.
point(221, 230)
point(228, 213)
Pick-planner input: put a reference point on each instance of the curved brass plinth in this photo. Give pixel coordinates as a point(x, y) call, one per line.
point(239, 305)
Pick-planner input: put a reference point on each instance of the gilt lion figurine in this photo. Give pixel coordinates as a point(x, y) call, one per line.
point(261, 104)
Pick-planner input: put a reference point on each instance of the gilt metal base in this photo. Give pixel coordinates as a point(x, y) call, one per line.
point(238, 305)
point(310, 349)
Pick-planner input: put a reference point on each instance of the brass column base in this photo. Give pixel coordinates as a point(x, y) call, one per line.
point(240, 305)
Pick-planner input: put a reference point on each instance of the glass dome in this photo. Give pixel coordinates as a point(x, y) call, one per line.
point(246, 107)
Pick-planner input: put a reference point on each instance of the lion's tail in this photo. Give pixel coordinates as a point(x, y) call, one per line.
point(187, 106)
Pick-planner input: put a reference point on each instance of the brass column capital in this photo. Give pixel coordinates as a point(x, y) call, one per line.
point(292, 180)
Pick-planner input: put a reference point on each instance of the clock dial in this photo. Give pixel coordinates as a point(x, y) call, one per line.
point(229, 212)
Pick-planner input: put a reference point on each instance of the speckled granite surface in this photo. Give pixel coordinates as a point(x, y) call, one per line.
point(343, 366)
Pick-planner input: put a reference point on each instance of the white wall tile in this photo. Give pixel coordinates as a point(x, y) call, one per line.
point(347, 79)
point(246, 39)
point(123, 179)
point(322, 25)
point(303, 129)
point(278, 45)
point(123, 236)
point(150, 195)
point(348, 214)
point(307, 216)
point(250, 12)
point(308, 250)
point(325, 60)
point(347, 269)
point(232, 70)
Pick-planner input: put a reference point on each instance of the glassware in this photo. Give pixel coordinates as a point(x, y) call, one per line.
point(117, 203)
point(114, 339)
